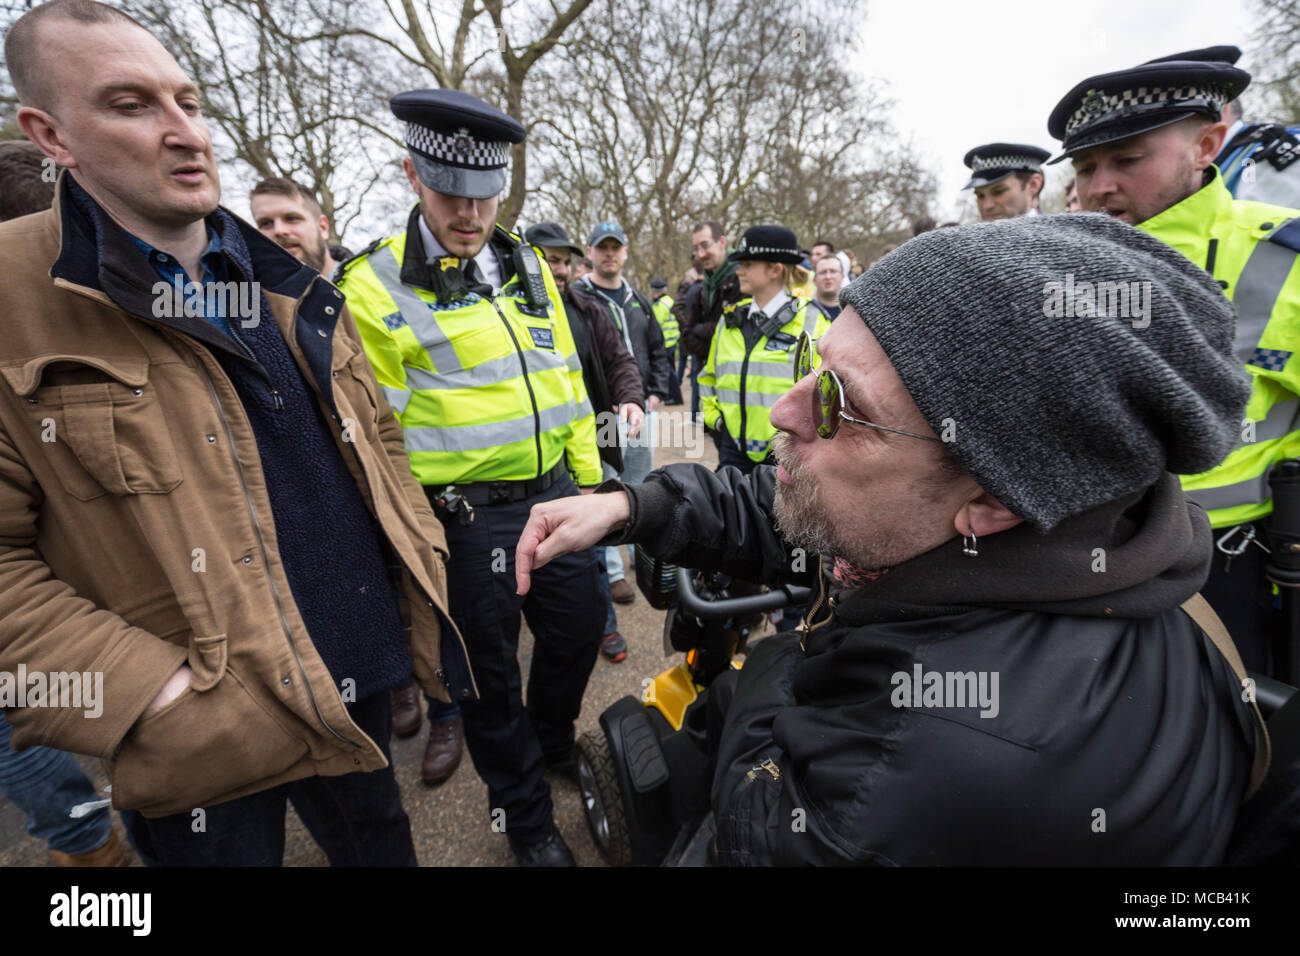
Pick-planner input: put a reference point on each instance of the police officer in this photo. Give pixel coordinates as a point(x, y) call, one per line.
point(1259, 161)
point(663, 305)
point(1143, 142)
point(1007, 179)
point(464, 327)
point(750, 364)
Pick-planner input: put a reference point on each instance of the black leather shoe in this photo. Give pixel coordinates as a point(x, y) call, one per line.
point(552, 851)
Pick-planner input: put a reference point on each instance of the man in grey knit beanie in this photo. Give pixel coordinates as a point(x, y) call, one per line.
point(1065, 360)
point(984, 465)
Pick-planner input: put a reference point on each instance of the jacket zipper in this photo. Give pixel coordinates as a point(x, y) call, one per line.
point(523, 366)
point(275, 394)
point(768, 765)
point(266, 562)
point(812, 611)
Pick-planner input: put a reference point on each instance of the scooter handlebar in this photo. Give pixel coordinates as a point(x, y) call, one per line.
point(691, 602)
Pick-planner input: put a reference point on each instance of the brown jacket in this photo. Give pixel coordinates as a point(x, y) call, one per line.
point(136, 531)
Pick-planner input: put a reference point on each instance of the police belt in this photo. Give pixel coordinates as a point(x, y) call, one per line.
point(479, 493)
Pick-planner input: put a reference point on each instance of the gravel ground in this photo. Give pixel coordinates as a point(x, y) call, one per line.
point(450, 824)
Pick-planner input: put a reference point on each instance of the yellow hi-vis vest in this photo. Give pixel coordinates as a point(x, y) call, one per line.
point(667, 321)
point(484, 390)
point(741, 382)
point(1251, 248)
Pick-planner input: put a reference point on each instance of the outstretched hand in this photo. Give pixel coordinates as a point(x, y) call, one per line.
point(566, 525)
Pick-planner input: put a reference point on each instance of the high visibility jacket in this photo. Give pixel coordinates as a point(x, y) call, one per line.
point(486, 389)
point(1251, 249)
point(1262, 163)
point(750, 366)
point(667, 321)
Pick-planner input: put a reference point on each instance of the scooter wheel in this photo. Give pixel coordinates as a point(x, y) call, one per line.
point(601, 800)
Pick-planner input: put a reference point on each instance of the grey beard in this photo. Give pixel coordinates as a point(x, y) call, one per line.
point(802, 522)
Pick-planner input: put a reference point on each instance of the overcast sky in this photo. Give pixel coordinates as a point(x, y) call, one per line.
point(963, 74)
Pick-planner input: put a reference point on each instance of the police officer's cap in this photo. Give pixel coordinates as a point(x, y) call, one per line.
point(993, 162)
point(767, 244)
point(1115, 106)
point(1209, 54)
point(458, 143)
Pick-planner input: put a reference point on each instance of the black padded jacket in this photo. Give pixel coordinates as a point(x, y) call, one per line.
point(1115, 732)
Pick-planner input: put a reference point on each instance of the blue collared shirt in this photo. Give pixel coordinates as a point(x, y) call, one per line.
point(214, 268)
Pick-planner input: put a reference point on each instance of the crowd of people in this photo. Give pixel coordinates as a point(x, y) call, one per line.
point(284, 531)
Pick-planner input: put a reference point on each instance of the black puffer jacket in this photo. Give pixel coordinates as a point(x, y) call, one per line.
point(1117, 734)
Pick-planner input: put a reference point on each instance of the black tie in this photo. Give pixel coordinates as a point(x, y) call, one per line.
point(469, 268)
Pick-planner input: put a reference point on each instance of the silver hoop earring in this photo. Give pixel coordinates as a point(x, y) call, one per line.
point(969, 546)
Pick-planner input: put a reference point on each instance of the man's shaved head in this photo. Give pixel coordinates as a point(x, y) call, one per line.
point(23, 49)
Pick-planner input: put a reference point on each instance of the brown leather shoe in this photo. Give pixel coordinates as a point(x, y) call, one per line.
point(442, 755)
point(406, 711)
point(622, 592)
point(110, 854)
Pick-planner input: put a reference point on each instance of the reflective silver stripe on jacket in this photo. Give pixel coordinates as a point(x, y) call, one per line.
point(449, 371)
point(397, 397)
point(414, 310)
point(489, 372)
point(493, 435)
point(765, 399)
point(1252, 491)
point(1258, 287)
point(1281, 421)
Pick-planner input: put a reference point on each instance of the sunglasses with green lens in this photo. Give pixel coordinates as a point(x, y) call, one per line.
point(828, 396)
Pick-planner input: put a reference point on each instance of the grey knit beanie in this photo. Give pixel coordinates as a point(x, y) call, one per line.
point(1067, 360)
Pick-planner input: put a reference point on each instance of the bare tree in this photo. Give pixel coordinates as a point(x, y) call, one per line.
point(663, 114)
point(489, 47)
point(1278, 37)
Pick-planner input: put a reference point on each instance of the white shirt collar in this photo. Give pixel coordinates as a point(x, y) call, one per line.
point(485, 260)
point(773, 305)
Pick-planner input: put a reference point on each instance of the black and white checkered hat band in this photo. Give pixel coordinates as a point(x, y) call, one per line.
point(766, 250)
point(457, 149)
point(981, 163)
point(1098, 106)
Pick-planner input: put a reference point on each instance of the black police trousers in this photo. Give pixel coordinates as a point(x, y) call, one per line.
point(511, 743)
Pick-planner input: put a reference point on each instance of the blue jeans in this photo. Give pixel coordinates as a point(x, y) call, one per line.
point(46, 784)
point(357, 818)
point(440, 713)
point(611, 619)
